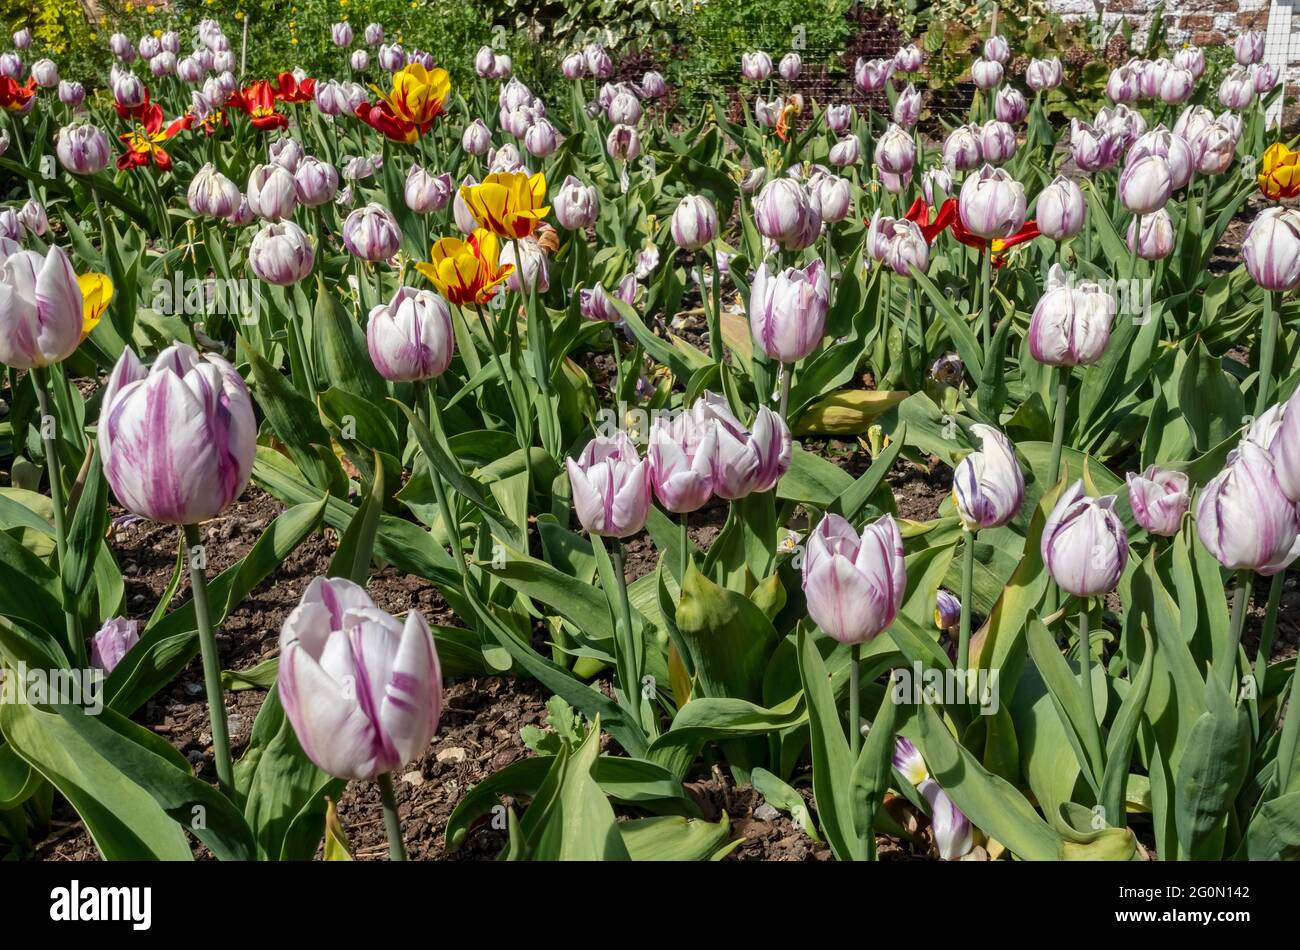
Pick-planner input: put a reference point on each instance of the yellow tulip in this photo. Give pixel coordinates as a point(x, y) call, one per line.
point(96, 293)
point(1281, 175)
point(508, 204)
point(419, 95)
point(466, 272)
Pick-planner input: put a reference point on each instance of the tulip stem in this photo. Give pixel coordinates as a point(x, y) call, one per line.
point(425, 396)
point(967, 586)
point(1240, 602)
point(392, 823)
point(1267, 346)
point(50, 448)
point(1092, 740)
point(1268, 631)
point(1058, 434)
point(685, 556)
point(855, 701)
point(630, 674)
point(785, 391)
point(211, 661)
point(715, 331)
point(986, 316)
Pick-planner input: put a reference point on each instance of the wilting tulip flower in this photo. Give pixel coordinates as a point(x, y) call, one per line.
point(1145, 184)
point(1248, 47)
point(653, 85)
point(1071, 323)
point(596, 303)
point(1043, 74)
point(281, 253)
point(71, 93)
point(753, 180)
point(271, 192)
point(371, 233)
point(599, 64)
point(790, 67)
point(41, 314)
point(212, 193)
point(576, 205)
point(82, 148)
point(997, 141)
point(846, 152)
point(341, 34)
point(784, 213)
point(177, 440)
point(986, 73)
point(623, 143)
point(936, 185)
point(111, 643)
point(1084, 544)
point(988, 486)
point(895, 151)
point(694, 223)
point(961, 150)
point(1244, 518)
point(424, 192)
point(477, 138)
point(682, 453)
point(767, 113)
point(1271, 249)
point(1215, 146)
point(839, 118)
point(748, 461)
point(22, 39)
point(1156, 240)
point(530, 271)
point(4, 141)
point(1159, 499)
point(830, 196)
point(907, 250)
point(908, 59)
point(1060, 209)
point(410, 338)
point(1237, 91)
point(1093, 149)
point(611, 487)
point(1010, 106)
point(854, 584)
point(1172, 148)
point(992, 203)
point(756, 67)
point(362, 690)
point(950, 827)
point(907, 107)
point(1177, 86)
point(787, 310)
point(360, 61)
point(316, 182)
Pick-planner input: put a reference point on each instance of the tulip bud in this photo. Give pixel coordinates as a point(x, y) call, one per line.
point(212, 193)
point(623, 143)
point(936, 185)
point(988, 486)
point(128, 91)
point(907, 107)
point(362, 690)
point(424, 192)
point(1010, 106)
point(540, 139)
point(787, 311)
point(410, 338)
point(341, 34)
point(1125, 124)
point(1177, 86)
point(1156, 240)
point(854, 585)
point(847, 151)
point(599, 65)
point(653, 85)
point(986, 73)
point(992, 203)
point(748, 461)
point(1191, 58)
point(1060, 209)
point(596, 303)
point(611, 487)
point(830, 196)
point(1271, 249)
point(908, 59)
point(997, 141)
point(783, 212)
point(114, 639)
point(360, 61)
point(767, 114)
point(371, 233)
point(870, 75)
point(1084, 544)
point(839, 118)
point(22, 38)
point(271, 192)
point(1071, 324)
point(1244, 518)
point(997, 49)
point(961, 150)
point(33, 217)
point(682, 454)
point(756, 67)
point(907, 249)
point(1043, 74)
point(281, 253)
point(951, 828)
point(391, 57)
point(1145, 184)
point(1151, 77)
point(121, 47)
point(1248, 47)
point(790, 67)
point(1159, 498)
point(947, 610)
point(315, 182)
point(895, 151)
point(178, 440)
point(477, 138)
point(40, 308)
point(1172, 148)
point(374, 34)
point(71, 93)
point(46, 73)
point(286, 152)
point(573, 66)
point(11, 66)
point(1215, 146)
point(694, 223)
point(529, 268)
point(576, 205)
point(1237, 91)
point(82, 148)
point(1093, 149)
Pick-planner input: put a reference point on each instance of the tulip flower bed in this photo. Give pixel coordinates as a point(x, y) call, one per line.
point(427, 469)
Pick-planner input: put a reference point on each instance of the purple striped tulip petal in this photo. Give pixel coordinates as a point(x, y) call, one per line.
point(410, 338)
point(747, 461)
point(1084, 544)
point(1159, 499)
point(40, 308)
point(362, 690)
point(178, 440)
point(1244, 518)
point(611, 487)
point(1071, 324)
point(682, 454)
point(111, 643)
point(854, 584)
point(951, 828)
point(988, 486)
point(787, 311)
